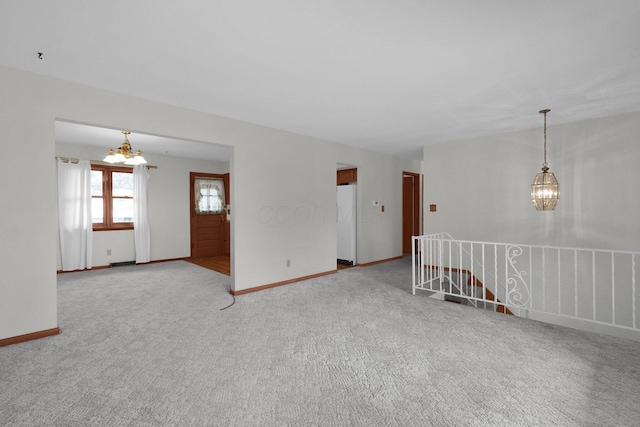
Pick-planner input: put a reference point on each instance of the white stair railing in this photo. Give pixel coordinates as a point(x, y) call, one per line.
point(589, 285)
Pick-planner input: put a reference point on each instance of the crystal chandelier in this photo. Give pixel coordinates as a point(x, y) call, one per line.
point(124, 154)
point(545, 190)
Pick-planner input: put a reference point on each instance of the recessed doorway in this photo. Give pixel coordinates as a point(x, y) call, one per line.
point(411, 184)
point(209, 226)
point(346, 215)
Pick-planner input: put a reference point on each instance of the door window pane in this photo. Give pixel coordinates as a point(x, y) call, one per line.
point(209, 194)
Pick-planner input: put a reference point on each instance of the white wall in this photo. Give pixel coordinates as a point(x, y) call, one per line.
point(168, 207)
point(27, 222)
point(482, 186)
point(269, 169)
point(482, 190)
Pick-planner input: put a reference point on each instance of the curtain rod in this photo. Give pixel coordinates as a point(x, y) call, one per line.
point(100, 162)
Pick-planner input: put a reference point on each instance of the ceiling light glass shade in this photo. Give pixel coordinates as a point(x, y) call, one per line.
point(136, 160)
point(545, 190)
point(111, 157)
point(119, 157)
point(115, 157)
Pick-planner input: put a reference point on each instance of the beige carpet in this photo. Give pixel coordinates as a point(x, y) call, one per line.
point(149, 346)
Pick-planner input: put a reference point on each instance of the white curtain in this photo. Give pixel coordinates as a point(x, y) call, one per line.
point(74, 214)
point(141, 229)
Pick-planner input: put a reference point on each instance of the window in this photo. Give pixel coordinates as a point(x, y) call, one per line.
point(111, 198)
point(209, 195)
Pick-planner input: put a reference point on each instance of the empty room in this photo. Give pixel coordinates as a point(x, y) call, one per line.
point(175, 252)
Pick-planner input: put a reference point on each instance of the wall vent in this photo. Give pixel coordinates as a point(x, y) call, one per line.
point(121, 264)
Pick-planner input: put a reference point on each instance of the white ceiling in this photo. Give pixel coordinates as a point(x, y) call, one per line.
point(388, 75)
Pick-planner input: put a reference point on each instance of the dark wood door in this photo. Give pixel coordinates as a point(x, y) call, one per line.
point(410, 209)
point(209, 228)
point(347, 176)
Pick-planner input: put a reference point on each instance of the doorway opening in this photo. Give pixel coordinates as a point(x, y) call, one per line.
point(346, 215)
point(210, 228)
point(411, 212)
point(93, 141)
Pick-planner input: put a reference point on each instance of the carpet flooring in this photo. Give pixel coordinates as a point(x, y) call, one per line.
point(150, 346)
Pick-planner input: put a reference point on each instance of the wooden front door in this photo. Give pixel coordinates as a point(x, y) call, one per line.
point(410, 209)
point(208, 201)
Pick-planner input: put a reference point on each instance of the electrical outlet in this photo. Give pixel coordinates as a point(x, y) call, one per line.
point(288, 263)
point(108, 252)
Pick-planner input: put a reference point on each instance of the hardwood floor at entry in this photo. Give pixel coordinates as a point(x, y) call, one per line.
point(220, 263)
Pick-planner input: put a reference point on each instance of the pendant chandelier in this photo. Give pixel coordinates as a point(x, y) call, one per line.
point(545, 190)
point(125, 154)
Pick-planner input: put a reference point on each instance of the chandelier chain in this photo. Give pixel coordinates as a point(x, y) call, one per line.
point(545, 138)
point(545, 165)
